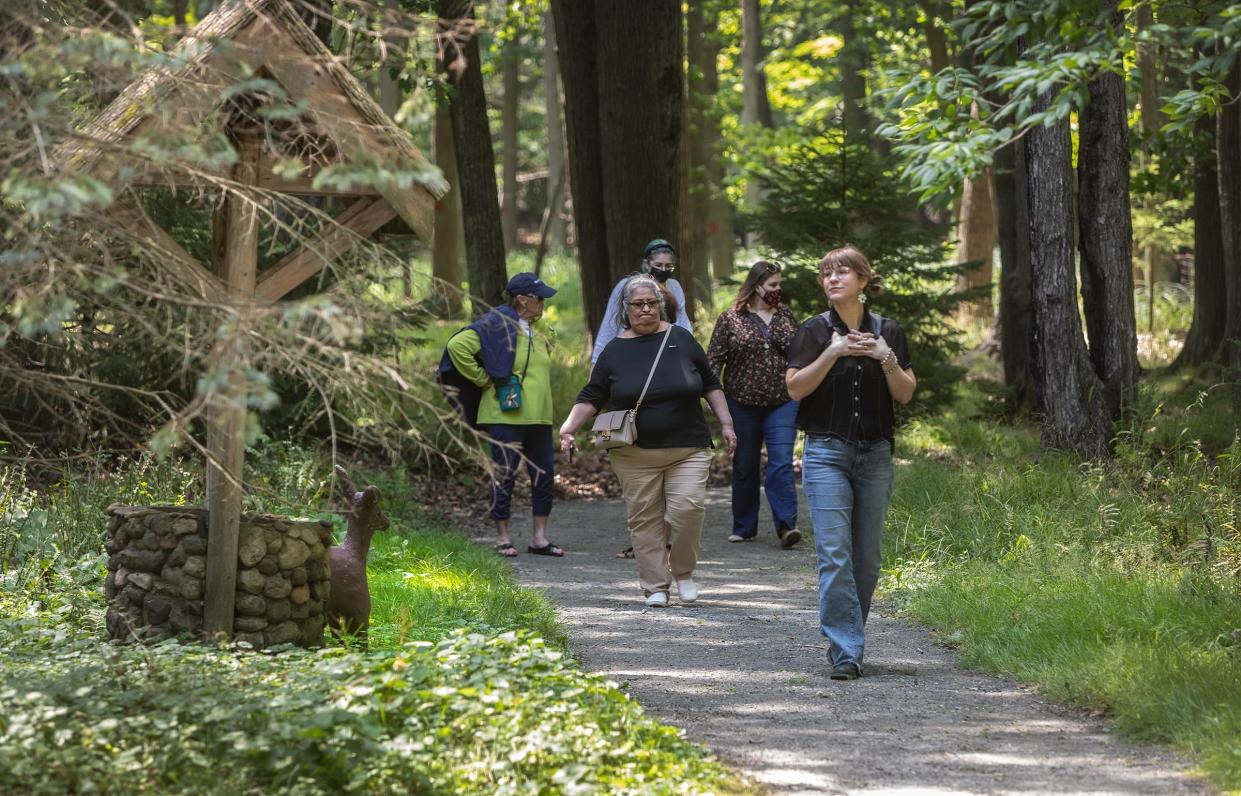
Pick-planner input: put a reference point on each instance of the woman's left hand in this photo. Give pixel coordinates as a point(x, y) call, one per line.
point(730, 439)
point(865, 344)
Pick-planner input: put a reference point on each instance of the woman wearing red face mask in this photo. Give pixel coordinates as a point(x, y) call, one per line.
point(749, 349)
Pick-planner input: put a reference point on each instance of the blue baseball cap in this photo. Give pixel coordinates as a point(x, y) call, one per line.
point(659, 244)
point(527, 284)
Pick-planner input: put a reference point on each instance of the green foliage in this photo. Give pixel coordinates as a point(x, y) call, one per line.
point(460, 693)
point(471, 714)
point(1095, 582)
point(823, 195)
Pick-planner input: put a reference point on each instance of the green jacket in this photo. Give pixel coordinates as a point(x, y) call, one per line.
point(536, 390)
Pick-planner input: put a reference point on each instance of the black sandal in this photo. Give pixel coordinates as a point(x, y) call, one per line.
point(626, 553)
point(549, 549)
point(503, 550)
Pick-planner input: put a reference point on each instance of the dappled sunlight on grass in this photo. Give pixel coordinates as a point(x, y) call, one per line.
point(1111, 585)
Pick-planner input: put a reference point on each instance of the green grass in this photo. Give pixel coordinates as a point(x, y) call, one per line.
point(1116, 587)
point(466, 687)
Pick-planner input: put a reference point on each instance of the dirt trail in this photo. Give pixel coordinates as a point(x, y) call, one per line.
point(744, 672)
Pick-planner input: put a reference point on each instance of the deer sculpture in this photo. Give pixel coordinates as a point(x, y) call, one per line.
point(349, 600)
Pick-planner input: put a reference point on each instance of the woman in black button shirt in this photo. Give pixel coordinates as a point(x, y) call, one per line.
point(846, 366)
point(664, 475)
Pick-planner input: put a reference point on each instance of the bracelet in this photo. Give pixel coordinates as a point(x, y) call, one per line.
point(883, 364)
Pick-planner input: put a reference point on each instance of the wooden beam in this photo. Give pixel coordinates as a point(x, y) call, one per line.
point(360, 219)
point(131, 216)
point(335, 115)
point(226, 414)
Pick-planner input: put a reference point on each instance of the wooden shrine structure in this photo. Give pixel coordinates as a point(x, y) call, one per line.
point(222, 74)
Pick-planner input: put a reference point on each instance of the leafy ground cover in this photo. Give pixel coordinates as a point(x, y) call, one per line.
point(466, 687)
point(1115, 587)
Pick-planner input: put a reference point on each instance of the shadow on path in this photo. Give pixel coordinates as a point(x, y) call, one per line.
point(744, 672)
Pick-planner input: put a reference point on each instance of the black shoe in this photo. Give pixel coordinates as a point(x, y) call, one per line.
point(846, 671)
point(789, 537)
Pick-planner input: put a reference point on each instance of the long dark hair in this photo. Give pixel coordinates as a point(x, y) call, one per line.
point(760, 272)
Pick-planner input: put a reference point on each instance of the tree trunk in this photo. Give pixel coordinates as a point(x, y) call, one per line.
point(555, 132)
point(719, 211)
point(1228, 149)
point(976, 235)
point(853, 59)
point(576, 38)
point(1150, 117)
point(484, 237)
point(1107, 240)
point(1202, 343)
point(508, 140)
point(1074, 414)
point(640, 120)
point(179, 7)
point(695, 253)
point(447, 240)
point(936, 40)
point(754, 90)
point(1013, 228)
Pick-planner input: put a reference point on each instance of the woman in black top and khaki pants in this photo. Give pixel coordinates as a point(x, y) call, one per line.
point(663, 475)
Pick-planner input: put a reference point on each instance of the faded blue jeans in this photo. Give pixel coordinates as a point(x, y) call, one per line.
point(848, 486)
point(755, 425)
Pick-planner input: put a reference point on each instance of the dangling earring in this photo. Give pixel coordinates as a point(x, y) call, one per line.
point(861, 297)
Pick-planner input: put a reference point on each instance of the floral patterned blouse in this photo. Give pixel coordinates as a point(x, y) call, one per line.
point(752, 355)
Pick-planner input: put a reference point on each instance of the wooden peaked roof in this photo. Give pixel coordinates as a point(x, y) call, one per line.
point(258, 41)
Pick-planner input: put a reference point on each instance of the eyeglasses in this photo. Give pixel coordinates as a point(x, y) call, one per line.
point(771, 268)
point(644, 304)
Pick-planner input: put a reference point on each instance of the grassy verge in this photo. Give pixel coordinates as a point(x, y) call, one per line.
point(1115, 587)
point(466, 687)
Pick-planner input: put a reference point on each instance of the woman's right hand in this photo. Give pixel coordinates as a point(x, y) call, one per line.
point(839, 346)
point(567, 444)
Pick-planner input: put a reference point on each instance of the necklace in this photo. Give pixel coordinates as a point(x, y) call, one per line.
point(764, 329)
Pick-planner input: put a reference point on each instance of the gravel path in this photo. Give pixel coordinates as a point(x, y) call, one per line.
point(744, 672)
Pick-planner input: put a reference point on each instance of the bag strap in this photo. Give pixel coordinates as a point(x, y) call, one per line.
point(662, 345)
point(529, 351)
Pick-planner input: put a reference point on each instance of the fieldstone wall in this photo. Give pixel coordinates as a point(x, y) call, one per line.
point(157, 567)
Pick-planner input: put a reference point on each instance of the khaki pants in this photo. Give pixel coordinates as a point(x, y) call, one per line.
point(665, 491)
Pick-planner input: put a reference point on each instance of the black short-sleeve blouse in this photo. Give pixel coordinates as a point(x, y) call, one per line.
point(852, 402)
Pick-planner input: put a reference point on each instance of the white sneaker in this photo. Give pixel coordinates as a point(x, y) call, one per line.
point(658, 599)
point(687, 590)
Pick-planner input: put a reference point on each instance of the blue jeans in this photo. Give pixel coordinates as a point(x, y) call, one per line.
point(754, 426)
point(535, 443)
point(848, 487)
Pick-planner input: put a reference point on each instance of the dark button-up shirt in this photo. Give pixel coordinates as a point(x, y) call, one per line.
point(752, 355)
point(852, 402)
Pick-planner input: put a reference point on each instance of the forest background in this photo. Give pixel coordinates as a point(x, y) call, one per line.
point(1052, 191)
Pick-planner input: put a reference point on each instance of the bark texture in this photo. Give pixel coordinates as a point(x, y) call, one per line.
point(555, 133)
point(1228, 149)
point(1202, 343)
point(447, 239)
point(627, 68)
point(695, 254)
point(576, 38)
point(976, 233)
point(1106, 232)
point(508, 141)
point(853, 61)
point(1074, 416)
point(1013, 231)
point(484, 237)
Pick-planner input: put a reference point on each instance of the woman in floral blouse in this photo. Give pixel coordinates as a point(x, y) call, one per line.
point(749, 349)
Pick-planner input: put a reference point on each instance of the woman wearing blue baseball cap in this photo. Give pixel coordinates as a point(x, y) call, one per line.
point(502, 354)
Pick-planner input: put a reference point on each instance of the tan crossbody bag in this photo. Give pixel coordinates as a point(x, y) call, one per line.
point(619, 427)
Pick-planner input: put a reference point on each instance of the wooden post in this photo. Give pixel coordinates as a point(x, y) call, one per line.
point(226, 424)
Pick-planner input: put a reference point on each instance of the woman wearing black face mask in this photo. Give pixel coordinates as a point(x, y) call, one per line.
point(749, 349)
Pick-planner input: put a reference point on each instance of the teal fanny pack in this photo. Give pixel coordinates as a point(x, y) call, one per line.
point(508, 389)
